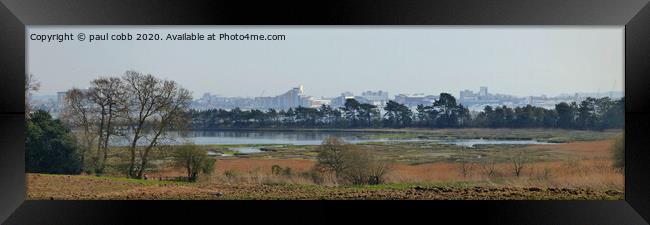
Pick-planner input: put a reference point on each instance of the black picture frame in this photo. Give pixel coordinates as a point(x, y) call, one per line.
point(15, 15)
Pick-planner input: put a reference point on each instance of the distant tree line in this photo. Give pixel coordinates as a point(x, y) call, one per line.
point(590, 114)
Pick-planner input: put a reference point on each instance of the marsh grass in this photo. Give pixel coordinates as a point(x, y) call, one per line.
point(581, 164)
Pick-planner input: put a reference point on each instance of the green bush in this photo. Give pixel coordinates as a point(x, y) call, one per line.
point(50, 146)
point(195, 160)
point(276, 170)
point(279, 171)
point(350, 164)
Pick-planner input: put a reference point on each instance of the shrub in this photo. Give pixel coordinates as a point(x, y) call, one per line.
point(519, 162)
point(315, 176)
point(331, 153)
point(276, 170)
point(279, 171)
point(361, 167)
point(350, 164)
point(618, 152)
point(50, 146)
point(194, 160)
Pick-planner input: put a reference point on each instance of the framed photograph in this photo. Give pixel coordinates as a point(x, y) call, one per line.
point(500, 112)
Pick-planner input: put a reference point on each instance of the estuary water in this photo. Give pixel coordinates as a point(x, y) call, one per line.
point(269, 138)
point(316, 137)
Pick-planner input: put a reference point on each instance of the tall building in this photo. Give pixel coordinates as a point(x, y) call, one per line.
point(377, 98)
point(315, 103)
point(467, 95)
point(340, 101)
point(290, 99)
point(60, 98)
point(61, 95)
point(415, 100)
point(483, 92)
point(61, 102)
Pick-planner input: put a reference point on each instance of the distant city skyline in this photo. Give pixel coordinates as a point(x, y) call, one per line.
point(474, 100)
point(454, 93)
point(520, 61)
point(296, 97)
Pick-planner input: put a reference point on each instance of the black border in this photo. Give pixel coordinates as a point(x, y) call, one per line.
point(634, 14)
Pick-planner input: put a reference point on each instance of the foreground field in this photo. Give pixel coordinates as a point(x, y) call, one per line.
point(587, 174)
point(54, 187)
point(578, 166)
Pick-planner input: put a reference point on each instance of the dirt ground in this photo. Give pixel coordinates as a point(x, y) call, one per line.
point(57, 187)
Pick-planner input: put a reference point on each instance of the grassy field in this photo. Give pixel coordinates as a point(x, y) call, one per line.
point(579, 166)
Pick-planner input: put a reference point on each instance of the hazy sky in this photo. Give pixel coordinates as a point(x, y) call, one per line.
point(329, 60)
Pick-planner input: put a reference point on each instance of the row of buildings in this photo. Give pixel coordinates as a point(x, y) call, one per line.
point(477, 101)
point(291, 99)
point(474, 100)
point(296, 97)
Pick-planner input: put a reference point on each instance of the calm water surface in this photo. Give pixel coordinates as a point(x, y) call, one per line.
point(313, 138)
point(316, 137)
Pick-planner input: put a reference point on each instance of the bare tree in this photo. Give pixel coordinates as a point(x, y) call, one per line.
point(78, 112)
point(377, 170)
point(105, 92)
point(489, 167)
point(519, 162)
point(31, 86)
point(152, 107)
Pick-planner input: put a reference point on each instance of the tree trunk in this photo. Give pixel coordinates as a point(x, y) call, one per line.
point(106, 139)
point(189, 168)
point(144, 160)
point(83, 158)
point(132, 148)
point(98, 166)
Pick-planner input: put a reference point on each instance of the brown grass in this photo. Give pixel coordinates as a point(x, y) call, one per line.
point(590, 166)
point(586, 173)
point(585, 149)
point(263, 165)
